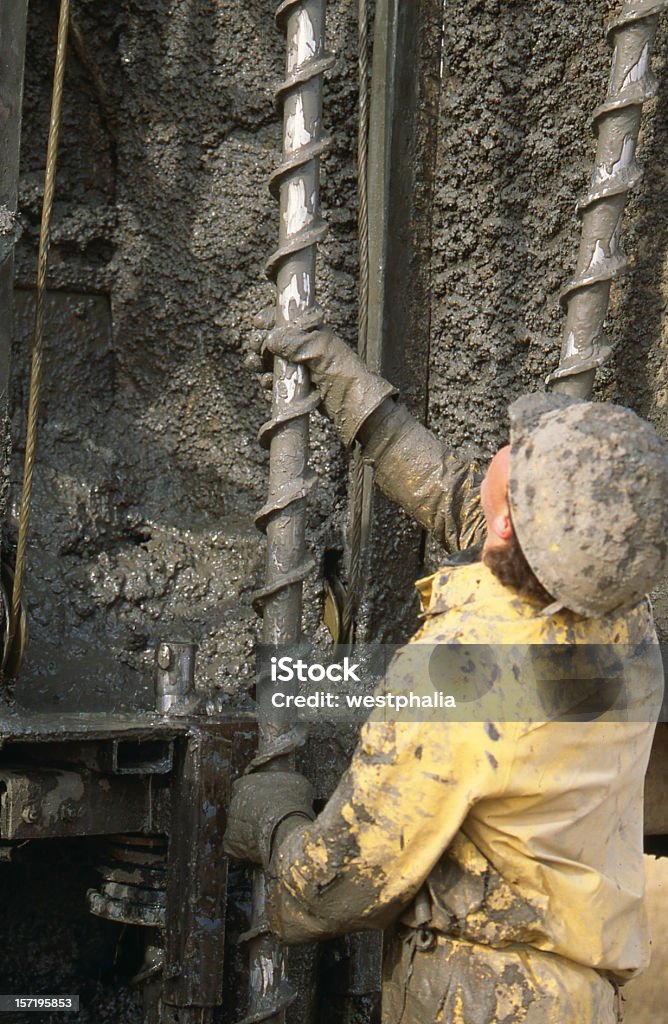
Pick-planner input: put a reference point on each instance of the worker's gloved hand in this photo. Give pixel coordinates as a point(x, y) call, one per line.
point(255, 359)
point(260, 803)
point(349, 390)
point(288, 341)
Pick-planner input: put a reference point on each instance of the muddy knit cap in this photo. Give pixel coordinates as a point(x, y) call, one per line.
point(588, 495)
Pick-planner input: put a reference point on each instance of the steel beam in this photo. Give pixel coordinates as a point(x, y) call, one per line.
point(196, 879)
point(406, 81)
point(41, 803)
point(13, 15)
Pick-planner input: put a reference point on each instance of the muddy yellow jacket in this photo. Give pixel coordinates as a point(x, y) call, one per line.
point(515, 820)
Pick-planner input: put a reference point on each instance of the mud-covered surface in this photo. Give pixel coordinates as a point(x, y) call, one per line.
point(521, 82)
point(148, 472)
point(516, 152)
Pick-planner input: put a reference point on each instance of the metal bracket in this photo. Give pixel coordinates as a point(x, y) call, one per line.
point(138, 757)
point(39, 803)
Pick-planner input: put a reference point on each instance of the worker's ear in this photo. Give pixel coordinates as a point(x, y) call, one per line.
point(502, 527)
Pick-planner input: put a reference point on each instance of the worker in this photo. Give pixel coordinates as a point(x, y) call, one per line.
point(502, 854)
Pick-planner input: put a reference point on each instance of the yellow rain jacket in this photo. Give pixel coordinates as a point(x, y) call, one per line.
point(501, 840)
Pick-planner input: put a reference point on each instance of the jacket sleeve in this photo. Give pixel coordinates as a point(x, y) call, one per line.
point(436, 487)
point(409, 788)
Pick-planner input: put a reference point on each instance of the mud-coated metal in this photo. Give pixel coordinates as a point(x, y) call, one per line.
point(40, 803)
point(196, 877)
point(407, 51)
point(292, 266)
point(13, 15)
point(283, 517)
point(137, 757)
point(601, 258)
point(175, 676)
point(133, 874)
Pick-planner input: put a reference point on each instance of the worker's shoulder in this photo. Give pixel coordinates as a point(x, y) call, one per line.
point(464, 602)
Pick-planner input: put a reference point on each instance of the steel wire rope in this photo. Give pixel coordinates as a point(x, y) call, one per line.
point(38, 333)
point(357, 465)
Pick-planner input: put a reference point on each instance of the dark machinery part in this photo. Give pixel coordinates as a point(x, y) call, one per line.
point(155, 787)
point(197, 878)
point(601, 258)
point(44, 802)
point(133, 887)
point(176, 888)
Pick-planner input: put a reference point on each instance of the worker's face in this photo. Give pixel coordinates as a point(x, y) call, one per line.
point(494, 500)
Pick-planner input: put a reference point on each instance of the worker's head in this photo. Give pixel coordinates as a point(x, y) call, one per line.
point(501, 551)
point(578, 504)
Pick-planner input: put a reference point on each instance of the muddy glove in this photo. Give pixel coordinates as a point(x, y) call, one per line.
point(253, 344)
point(436, 486)
point(260, 803)
point(349, 390)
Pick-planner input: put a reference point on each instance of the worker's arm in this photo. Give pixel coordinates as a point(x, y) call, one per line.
point(435, 486)
point(407, 792)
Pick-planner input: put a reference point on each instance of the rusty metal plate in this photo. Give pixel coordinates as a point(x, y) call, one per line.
point(46, 802)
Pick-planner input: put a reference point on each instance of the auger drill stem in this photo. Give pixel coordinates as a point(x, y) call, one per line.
point(601, 258)
point(292, 266)
point(296, 183)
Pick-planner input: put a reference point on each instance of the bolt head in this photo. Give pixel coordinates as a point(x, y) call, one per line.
point(164, 656)
point(30, 814)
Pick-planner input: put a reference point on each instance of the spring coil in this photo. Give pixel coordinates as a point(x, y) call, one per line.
point(295, 176)
point(601, 259)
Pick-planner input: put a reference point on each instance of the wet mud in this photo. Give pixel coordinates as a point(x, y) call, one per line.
point(148, 471)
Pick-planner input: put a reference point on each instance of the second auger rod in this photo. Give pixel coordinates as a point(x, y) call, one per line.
point(601, 257)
